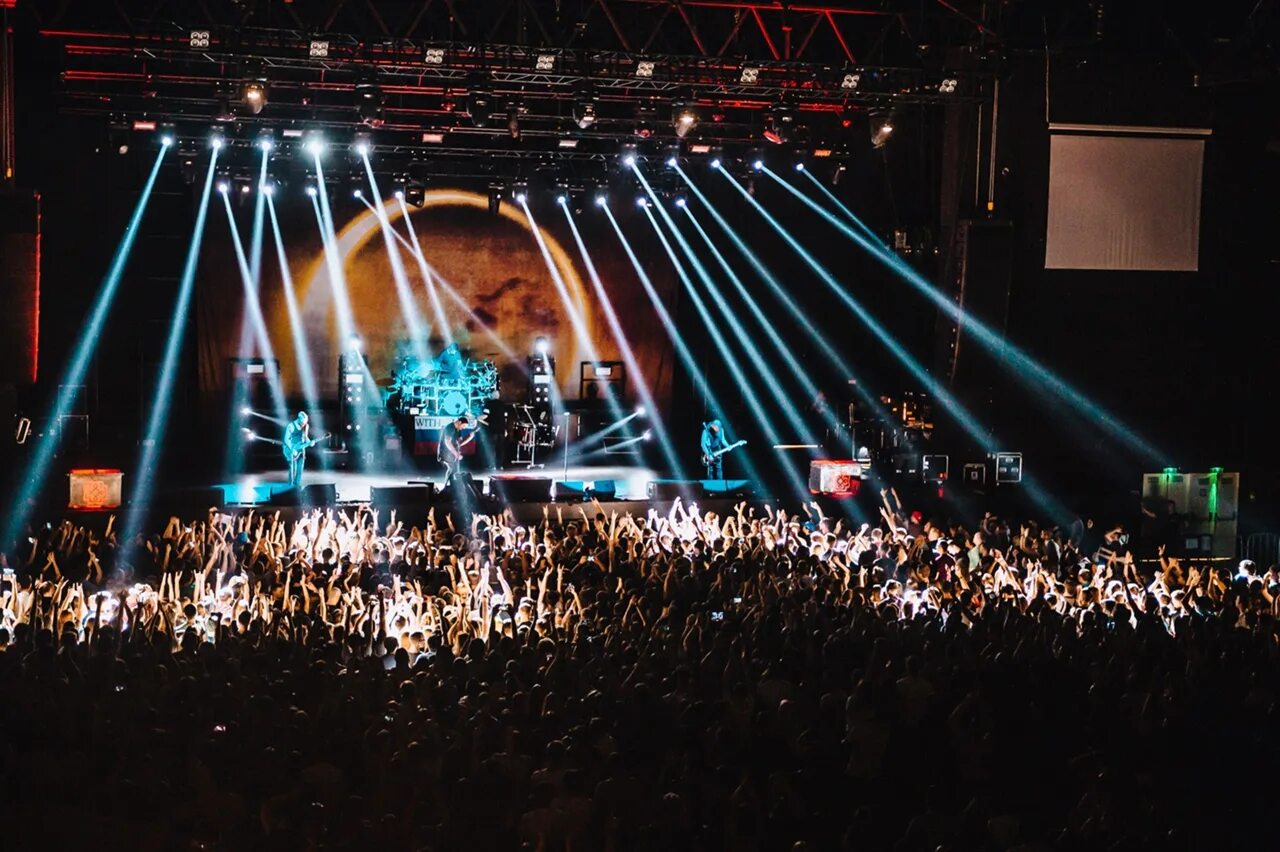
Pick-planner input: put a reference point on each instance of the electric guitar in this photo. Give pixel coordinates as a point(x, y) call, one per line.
point(301, 448)
point(482, 420)
point(715, 454)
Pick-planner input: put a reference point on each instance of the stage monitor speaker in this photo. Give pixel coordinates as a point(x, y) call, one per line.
point(670, 489)
point(520, 489)
point(570, 490)
point(736, 488)
point(603, 490)
point(402, 495)
point(316, 494)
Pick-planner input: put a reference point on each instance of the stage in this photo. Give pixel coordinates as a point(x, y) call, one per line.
point(632, 483)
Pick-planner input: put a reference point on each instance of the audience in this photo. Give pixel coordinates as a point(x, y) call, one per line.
point(596, 681)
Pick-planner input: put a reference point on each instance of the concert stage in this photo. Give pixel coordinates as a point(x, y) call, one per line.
point(632, 483)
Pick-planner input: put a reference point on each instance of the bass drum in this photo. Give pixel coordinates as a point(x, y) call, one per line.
point(453, 403)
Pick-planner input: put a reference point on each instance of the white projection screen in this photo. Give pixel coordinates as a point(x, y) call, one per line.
point(1120, 199)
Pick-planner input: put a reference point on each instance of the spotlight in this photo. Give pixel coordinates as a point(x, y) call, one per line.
point(269, 189)
point(541, 345)
point(648, 434)
point(644, 69)
point(415, 193)
point(357, 193)
point(749, 76)
point(216, 143)
point(199, 39)
point(250, 435)
point(400, 195)
point(246, 411)
point(800, 166)
point(362, 148)
point(311, 191)
point(851, 81)
point(639, 411)
point(434, 56)
point(254, 95)
point(369, 101)
point(681, 202)
point(715, 163)
point(779, 124)
point(223, 187)
point(319, 49)
point(641, 201)
point(881, 130)
point(315, 146)
point(562, 199)
point(948, 86)
point(757, 164)
point(601, 199)
point(683, 118)
point(544, 62)
point(672, 162)
point(629, 160)
point(244, 189)
point(584, 111)
point(520, 191)
point(265, 144)
point(521, 197)
point(479, 103)
point(166, 140)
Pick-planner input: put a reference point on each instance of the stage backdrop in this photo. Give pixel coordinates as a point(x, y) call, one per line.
point(493, 289)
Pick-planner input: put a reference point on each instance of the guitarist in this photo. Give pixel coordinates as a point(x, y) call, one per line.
point(449, 450)
point(714, 447)
point(297, 438)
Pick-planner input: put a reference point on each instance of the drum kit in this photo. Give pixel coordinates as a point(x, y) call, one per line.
point(460, 387)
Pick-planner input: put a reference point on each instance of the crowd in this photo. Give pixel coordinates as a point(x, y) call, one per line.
point(756, 681)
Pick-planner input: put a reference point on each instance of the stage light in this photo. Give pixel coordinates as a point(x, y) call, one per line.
point(315, 146)
point(639, 411)
point(881, 129)
point(311, 191)
point(246, 411)
point(584, 111)
point(357, 193)
point(779, 123)
point(681, 201)
point(629, 160)
point(851, 81)
point(479, 103)
point(166, 140)
point(672, 162)
point(749, 76)
point(601, 199)
point(199, 39)
point(715, 163)
point(648, 434)
point(291, 133)
point(521, 197)
point(244, 189)
point(644, 69)
point(223, 186)
point(948, 86)
point(544, 62)
point(265, 144)
point(216, 143)
point(415, 193)
point(369, 99)
point(433, 137)
point(641, 201)
point(799, 167)
point(250, 435)
point(269, 189)
point(254, 95)
point(683, 118)
point(757, 164)
point(567, 142)
point(319, 49)
point(399, 195)
point(541, 345)
point(562, 199)
point(434, 56)
point(362, 148)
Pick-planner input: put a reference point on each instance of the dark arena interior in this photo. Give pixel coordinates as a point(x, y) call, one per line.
point(638, 425)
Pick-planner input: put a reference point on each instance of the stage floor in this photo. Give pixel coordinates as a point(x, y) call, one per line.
point(252, 488)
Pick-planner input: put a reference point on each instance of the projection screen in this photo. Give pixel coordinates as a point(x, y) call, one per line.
point(1124, 198)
